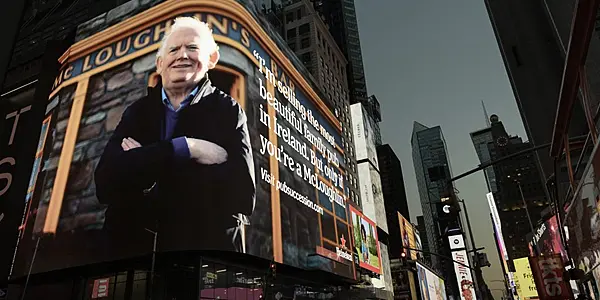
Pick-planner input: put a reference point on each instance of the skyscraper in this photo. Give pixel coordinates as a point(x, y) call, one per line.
point(394, 195)
point(340, 16)
point(517, 187)
point(307, 36)
point(533, 37)
point(432, 169)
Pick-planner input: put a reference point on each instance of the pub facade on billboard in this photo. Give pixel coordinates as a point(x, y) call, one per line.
point(117, 223)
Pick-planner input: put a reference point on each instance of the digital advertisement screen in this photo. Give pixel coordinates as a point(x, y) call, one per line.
point(366, 243)
point(432, 286)
point(547, 238)
point(364, 134)
point(408, 237)
point(524, 281)
point(251, 161)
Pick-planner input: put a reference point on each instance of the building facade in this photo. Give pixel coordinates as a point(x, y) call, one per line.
point(394, 195)
point(340, 16)
point(532, 37)
point(307, 36)
point(516, 185)
point(432, 169)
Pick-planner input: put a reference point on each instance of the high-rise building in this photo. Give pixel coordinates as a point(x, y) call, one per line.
point(516, 185)
point(394, 195)
point(423, 237)
point(432, 170)
point(370, 186)
point(340, 16)
point(533, 37)
point(307, 36)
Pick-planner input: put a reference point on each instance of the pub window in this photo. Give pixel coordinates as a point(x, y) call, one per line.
point(299, 13)
point(291, 33)
point(305, 43)
point(306, 58)
point(292, 45)
point(304, 29)
point(289, 17)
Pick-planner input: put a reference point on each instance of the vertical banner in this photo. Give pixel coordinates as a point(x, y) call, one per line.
point(548, 272)
point(461, 267)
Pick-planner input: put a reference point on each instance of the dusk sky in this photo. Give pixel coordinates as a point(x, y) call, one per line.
point(434, 61)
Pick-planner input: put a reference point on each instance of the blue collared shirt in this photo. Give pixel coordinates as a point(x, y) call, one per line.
point(180, 147)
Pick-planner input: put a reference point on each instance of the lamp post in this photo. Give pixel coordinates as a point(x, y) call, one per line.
point(151, 285)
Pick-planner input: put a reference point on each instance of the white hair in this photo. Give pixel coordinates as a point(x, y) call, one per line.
point(205, 32)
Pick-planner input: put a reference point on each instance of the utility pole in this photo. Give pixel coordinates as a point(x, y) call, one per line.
point(151, 288)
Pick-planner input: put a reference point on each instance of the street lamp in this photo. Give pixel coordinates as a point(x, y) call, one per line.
point(153, 262)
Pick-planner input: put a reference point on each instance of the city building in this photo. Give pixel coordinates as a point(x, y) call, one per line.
point(394, 195)
point(432, 169)
point(302, 248)
point(516, 185)
point(533, 37)
point(340, 16)
point(307, 36)
point(424, 240)
point(370, 186)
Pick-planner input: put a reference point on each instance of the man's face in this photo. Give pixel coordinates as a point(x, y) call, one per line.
point(184, 61)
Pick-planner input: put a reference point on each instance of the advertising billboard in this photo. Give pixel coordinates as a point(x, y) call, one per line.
point(366, 243)
point(431, 285)
point(548, 273)
point(547, 239)
point(372, 194)
point(524, 279)
point(248, 159)
point(364, 135)
point(408, 237)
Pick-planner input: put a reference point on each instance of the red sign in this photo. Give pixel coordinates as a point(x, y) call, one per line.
point(100, 288)
point(548, 271)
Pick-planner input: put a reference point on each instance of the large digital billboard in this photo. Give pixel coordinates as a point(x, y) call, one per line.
point(366, 242)
point(431, 286)
point(547, 239)
point(364, 134)
point(246, 159)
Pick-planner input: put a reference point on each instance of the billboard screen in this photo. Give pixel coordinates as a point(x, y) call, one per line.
point(249, 161)
point(364, 135)
point(366, 243)
point(372, 194)
point(432, 286)
point(524, 279)
point(547, 238)
point(408, 237)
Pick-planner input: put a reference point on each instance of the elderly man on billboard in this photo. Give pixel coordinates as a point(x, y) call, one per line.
point(180, 160)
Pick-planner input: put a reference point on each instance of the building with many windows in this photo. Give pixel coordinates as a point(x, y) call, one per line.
point(516, 184)
point(308, 37)
point(340, 16)
point(432, 170)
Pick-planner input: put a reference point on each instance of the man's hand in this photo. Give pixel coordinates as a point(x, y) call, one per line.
point(129, 143)
point(205, 152)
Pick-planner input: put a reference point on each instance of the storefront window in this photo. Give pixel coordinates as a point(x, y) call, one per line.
point(229, 282)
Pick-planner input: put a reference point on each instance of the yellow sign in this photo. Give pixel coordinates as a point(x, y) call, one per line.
point(408, 237)
point(524, 279)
